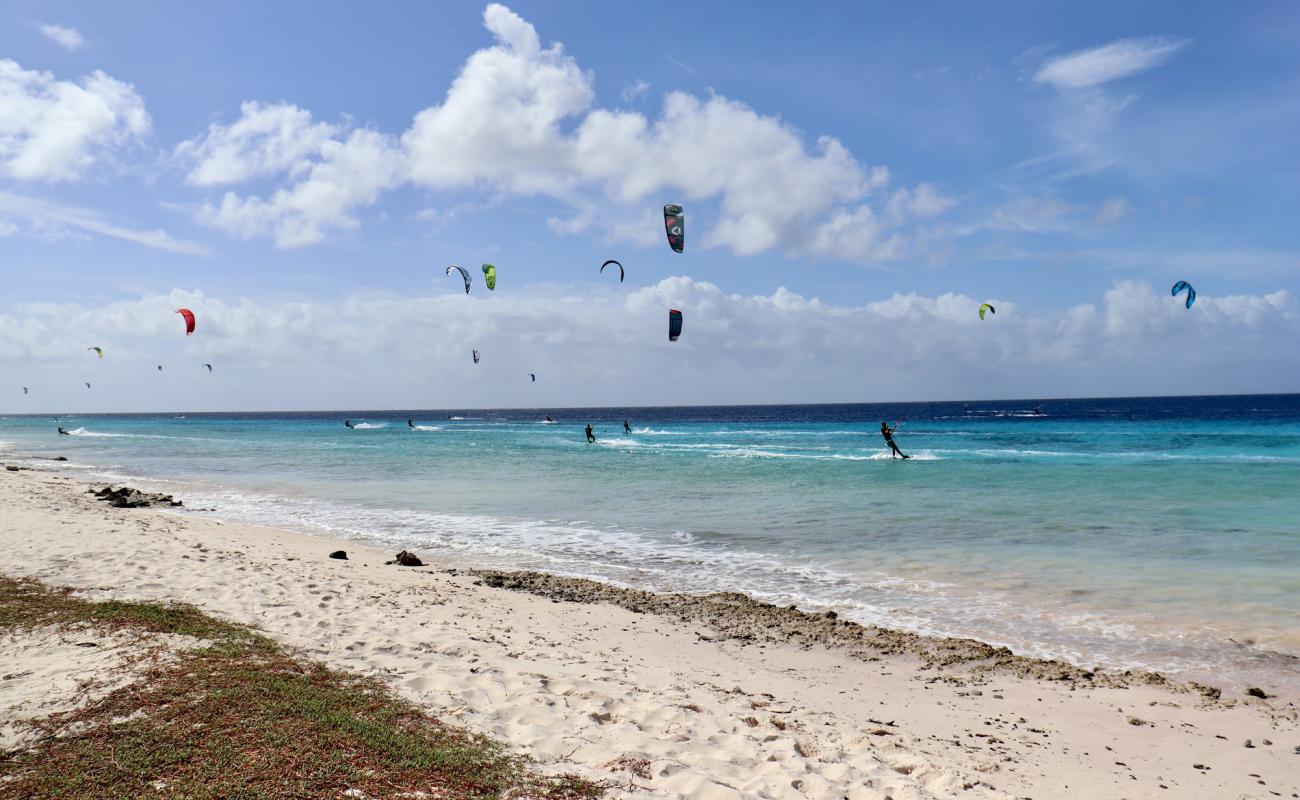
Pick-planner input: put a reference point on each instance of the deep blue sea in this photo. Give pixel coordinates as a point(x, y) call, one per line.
point(1142, 532)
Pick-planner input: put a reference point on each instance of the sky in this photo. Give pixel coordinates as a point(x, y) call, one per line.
point(857, 177)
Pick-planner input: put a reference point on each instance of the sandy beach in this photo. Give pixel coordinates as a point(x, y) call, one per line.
point(664, 696)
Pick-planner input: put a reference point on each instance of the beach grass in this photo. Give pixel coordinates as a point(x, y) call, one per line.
point(240, 717)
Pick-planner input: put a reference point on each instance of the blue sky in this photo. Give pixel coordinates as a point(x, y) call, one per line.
point(857, 178)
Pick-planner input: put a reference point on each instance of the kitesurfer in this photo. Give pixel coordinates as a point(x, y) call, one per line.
point(548, 418)
point(1038, 411)
point(347, 423)
point(409, 423)
point(62, 431)
point(626, 428)
point(591, 437)
point(888, 433)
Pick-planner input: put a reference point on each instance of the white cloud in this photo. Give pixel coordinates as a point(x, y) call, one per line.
point(611, 348)
point(55, 130)
point(1110, 62)
point(349, 173)
point(265, 140)
point(521, 120)
point(634, 90)
point(923, 202)
point(49, 217)
point(70, 38)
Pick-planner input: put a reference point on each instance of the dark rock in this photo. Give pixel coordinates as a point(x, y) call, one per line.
point(406, 559)
point(12, 468)
point(1256, 692)
point(126, 497)
point(1208, 692)
point(831, 615)
point(342, 555)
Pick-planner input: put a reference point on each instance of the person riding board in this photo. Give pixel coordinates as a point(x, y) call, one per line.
point(347, 423)
point(62, 431)
point(591, 437)
point(626, 428)
point(888, 433)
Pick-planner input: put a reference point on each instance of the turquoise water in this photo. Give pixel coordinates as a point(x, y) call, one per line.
point(1160, 532)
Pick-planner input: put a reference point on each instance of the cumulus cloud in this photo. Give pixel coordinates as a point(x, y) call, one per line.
point(1098, 65)
point(265, 140)
point(70, 38)
point(54, 130)
point(347, 173)
point(521, 119)
point(612, 348)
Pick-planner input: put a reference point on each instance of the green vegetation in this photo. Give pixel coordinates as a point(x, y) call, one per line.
point(239, 717)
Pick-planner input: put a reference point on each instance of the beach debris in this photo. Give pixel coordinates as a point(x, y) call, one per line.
point(1208, 692)
point(406, 559)
point(1250, 745)
point(1255, 691)
point(12, 468)
point(126, 497)
point(342, 555)
point(1138, 722)
point(640, 767)
point(738, 617)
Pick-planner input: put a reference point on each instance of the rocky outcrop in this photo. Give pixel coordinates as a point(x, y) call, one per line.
point(126, 497)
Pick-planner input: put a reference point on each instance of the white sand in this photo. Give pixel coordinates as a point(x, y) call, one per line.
point(657, 705)
point(50, 670)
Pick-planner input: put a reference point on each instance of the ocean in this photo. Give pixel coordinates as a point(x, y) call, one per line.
point(1158, 533)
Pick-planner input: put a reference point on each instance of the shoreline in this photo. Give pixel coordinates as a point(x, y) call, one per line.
point(719, 696)
point(1272, 670)
point(947, 573)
